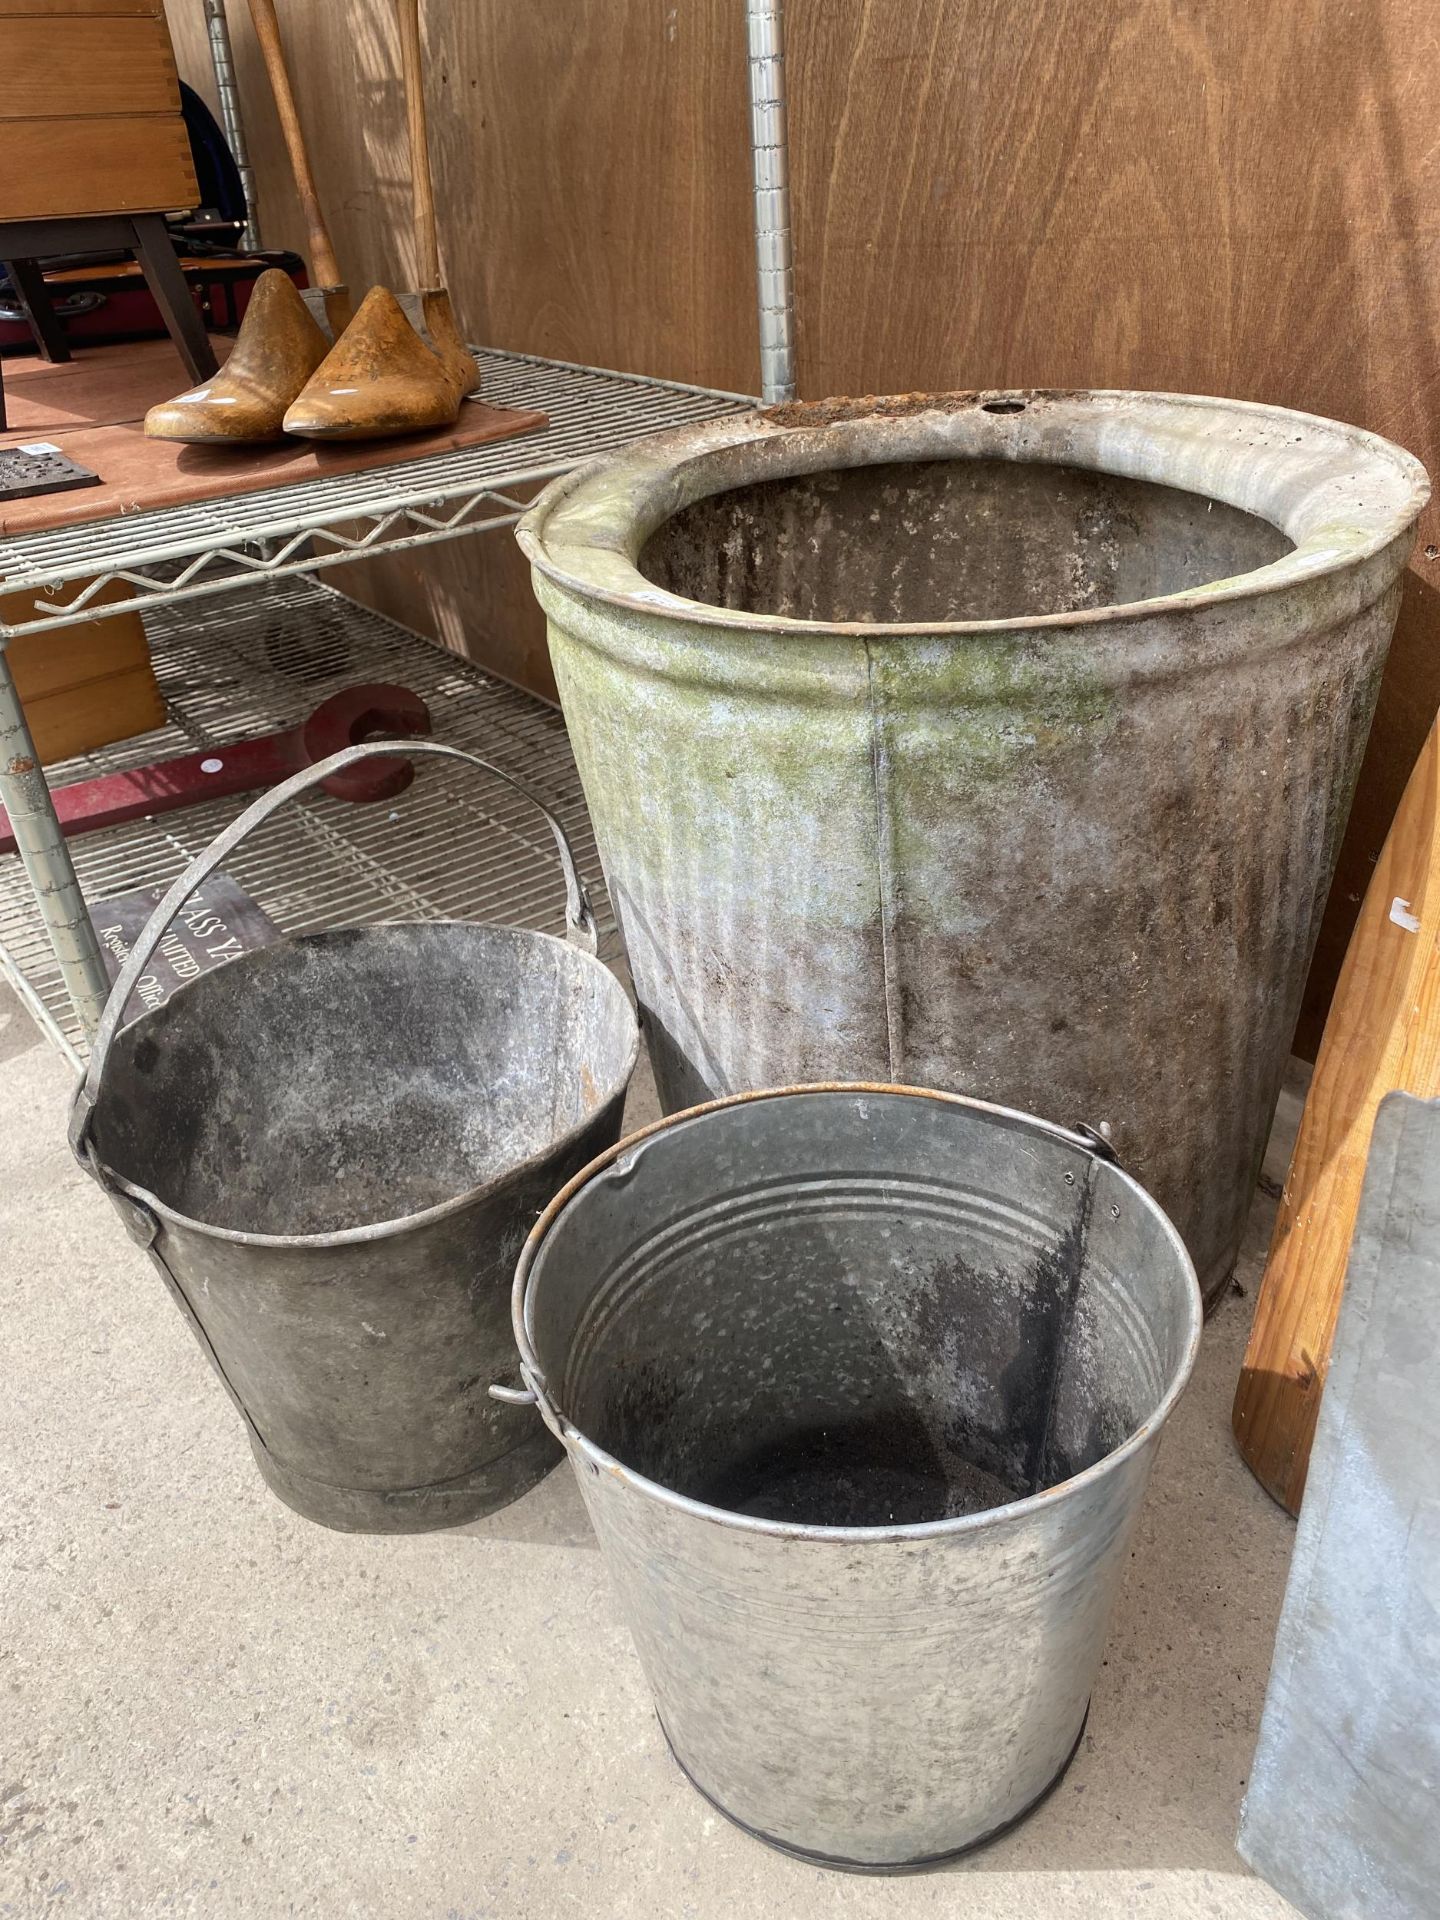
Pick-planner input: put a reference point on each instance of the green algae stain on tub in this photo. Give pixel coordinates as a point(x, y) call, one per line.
point(997, 743)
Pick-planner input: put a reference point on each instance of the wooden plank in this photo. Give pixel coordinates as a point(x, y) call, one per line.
point(58, 9)
point(52, 665)
point(86, 685)
point(128, 270)
point(121, 164)
point(86, 66)
point(93, 714)
point(1383, 1033)
point(1340, 1812)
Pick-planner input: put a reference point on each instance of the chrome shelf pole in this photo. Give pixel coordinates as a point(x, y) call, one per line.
point(46, 858)
point(765, 23)
point(228, 95)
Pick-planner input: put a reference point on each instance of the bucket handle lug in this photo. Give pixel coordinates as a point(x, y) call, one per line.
point(1098, 1140)
point(532, 1394)
point(579, 917)
point(141, 1225)
point(514, 1396)
point(139, 1222)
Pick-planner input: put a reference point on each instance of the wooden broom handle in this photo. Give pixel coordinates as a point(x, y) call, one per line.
point(267, 32)
point(427, 244)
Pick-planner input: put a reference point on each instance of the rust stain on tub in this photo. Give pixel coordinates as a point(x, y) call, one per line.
point(870, 406)
point(903, 406)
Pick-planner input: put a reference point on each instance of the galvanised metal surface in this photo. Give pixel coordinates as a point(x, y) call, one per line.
point(333, 1148)
point(996, 742)
point(1339, 1812)
point(861, 1386)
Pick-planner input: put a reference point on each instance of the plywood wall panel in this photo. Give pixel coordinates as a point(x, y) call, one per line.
point(590, 165)
point(1208, 195)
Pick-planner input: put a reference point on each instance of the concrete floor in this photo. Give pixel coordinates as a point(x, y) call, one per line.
point(212, 1707)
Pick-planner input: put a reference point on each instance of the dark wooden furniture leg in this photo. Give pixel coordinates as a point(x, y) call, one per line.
point(143, 234)
point(28, 284)
point(167, 286)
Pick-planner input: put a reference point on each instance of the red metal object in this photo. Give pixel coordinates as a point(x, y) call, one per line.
point(373, 711)
point(220, 287)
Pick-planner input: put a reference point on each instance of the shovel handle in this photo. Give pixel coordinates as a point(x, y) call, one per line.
point(427, 245)
point(272, 49)
point(579, 919)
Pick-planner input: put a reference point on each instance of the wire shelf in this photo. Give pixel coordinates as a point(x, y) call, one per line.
point(175, 554)
point(454, 845)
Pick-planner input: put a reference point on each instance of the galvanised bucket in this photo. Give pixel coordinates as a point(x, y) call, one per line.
point(993, 742)
point(333, 1148)
point(862, 1387)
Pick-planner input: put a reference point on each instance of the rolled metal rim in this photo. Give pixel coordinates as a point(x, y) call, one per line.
point(604, 1462)
point(1341, 493)
point(402, 1223)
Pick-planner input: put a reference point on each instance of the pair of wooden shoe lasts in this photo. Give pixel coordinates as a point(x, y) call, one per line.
point(380, 378)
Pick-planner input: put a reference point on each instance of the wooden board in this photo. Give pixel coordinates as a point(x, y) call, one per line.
point(102, 270)
point(94, 713)
point(53, 9)
point(90, 103)
point(51, 663)
point(99, 65)
point(86, 685)
point(92, 408)
point(1059, 193)
point(96, 387)
point(1340, 1812)
point(1383, 1033)
point(115, 164)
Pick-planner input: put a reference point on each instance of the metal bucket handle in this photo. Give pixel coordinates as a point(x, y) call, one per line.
point(579, 919)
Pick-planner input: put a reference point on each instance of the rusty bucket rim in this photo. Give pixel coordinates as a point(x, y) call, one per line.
point(400, 1223)
point(601, 1461)
point(584, 532)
